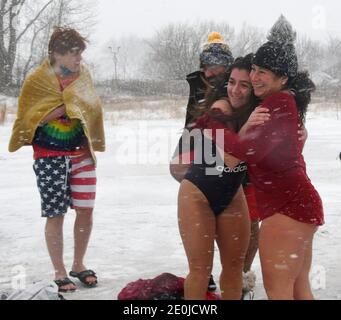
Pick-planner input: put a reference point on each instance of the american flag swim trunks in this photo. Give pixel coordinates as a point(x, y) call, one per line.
point(65, 181)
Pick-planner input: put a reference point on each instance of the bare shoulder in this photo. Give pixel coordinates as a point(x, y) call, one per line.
point(223, 105)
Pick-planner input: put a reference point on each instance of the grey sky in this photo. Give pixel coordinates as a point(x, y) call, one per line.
point(119, 18)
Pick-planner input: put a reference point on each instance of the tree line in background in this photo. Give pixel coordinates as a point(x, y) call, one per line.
point(173, 52)
point(170, 54)
point(174, 49)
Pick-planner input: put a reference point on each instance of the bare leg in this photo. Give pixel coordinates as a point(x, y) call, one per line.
point(253, 246)
point(82, 233)
point(233, 234)
point(283, 246)
point(55, 246)
point(302, 288)
point(197, 229)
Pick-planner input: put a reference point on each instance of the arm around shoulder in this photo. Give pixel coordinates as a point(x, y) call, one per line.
point(222, 105)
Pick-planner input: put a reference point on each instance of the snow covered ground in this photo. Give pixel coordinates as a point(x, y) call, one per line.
point(135, 233)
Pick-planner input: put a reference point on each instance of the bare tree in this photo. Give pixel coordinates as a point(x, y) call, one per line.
point(23, 39)
point(333, 57)
point(248, 40)
point(30, 61)
point(172, 50)
point(310, 54)
point(175, 49)
point(11, 33)
point(78, 14)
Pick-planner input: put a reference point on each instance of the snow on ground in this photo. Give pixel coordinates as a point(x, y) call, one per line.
point(135, 232)
point(8, 101)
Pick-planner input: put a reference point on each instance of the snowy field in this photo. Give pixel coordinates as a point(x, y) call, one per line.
point(135, 231)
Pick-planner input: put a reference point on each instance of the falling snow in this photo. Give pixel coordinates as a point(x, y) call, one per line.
point(135, 225)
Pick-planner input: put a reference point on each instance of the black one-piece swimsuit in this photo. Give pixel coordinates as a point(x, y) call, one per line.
point(217, 182)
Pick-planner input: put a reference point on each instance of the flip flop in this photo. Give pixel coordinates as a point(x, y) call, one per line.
point(81, 276)
point(64, 282)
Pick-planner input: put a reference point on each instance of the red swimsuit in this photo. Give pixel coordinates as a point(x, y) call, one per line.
point(275, 161)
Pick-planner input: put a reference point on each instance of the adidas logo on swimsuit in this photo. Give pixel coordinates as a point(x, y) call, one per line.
point(240, 168)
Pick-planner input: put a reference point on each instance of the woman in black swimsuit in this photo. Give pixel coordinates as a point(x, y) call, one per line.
point(212, 206)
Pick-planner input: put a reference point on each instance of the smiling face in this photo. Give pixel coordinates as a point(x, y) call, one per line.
point(265, 82)
point(71, 60)
point(239, 88)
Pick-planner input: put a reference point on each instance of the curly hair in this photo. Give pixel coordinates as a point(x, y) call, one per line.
point(64, 40)
point(302, 87)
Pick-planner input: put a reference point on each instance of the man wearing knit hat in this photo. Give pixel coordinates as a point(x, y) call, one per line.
point(215, 58)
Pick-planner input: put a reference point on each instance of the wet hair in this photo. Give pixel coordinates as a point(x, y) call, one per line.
point(302, 87)
point(242, 63)
point(239, 116)
point(65, 40)
point(216, 89)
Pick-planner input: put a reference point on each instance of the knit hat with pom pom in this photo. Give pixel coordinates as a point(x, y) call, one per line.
point(279, 54)
point(216, 52)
